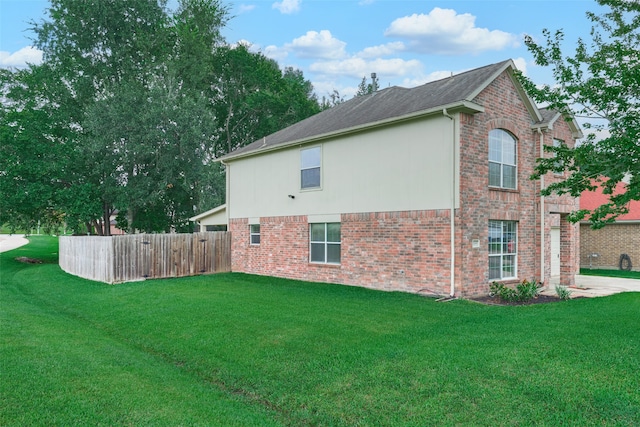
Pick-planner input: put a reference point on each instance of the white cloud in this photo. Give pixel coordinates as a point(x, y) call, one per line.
point(359, 67)
point(444, 31)
point(318, 45)
point(276, 53)
point(26, 55)
point(521, 64)
point(381, 50)
point(287, 6)
point(244, 8)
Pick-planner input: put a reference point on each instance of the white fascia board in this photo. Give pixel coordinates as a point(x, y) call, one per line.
point(207, 213)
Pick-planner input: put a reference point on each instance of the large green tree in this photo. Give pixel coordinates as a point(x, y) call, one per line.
point(254, 98)
point(129, 109)
point(600, 82)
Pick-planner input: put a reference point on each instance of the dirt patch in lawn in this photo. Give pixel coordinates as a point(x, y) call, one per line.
point(27, 260)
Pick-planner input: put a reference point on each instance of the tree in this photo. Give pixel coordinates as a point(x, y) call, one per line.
point(332, 100)
point(35, 164)
point(365, 88)
point(254, 98)
point(128, 111)
point(600, 82)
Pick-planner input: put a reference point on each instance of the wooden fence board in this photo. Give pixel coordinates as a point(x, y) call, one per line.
point(125, 258)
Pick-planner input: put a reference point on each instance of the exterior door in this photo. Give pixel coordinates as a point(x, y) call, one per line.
point(555, 251)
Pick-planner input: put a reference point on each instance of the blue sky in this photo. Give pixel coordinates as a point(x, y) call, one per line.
point(337, 42)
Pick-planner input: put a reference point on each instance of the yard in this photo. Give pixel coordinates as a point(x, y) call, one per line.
point(235, 349)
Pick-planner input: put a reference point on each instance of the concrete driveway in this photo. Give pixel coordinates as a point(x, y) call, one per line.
point(11, 241)
point(596, 286)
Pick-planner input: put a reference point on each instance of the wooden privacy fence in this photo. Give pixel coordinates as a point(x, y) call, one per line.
point(116, 259)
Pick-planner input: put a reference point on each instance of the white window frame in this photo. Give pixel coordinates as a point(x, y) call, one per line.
point(254, 234)
point(504, 250)
point(503, 137)
point(304, 166)
point(324, 244)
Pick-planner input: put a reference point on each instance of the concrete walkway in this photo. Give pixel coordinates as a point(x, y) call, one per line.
point(596, 286)
point(9, 242)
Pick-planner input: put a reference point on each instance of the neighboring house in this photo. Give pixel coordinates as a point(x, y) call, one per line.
point(113, 227)
point(212, 220)
point(421, 190)
point(603, 248)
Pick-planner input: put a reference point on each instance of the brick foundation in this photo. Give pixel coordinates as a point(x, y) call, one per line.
point(392, 251)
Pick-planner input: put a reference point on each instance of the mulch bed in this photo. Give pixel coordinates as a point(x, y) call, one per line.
point(540, 299)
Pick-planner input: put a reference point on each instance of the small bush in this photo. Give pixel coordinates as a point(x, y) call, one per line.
point(563, 292)
point(523, 292)
point(526, 290)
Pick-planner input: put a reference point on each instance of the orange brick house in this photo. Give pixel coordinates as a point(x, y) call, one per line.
point(603, 248)
point(422, 190)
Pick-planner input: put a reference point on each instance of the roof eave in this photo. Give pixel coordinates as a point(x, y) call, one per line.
point(456, 107)
point(209, 212)
point(576, 132)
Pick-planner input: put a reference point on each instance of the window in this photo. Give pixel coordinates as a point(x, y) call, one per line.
point(503, 241)
point(502, 159)
point(325, 243)
point(310, 168)
point(254, 234)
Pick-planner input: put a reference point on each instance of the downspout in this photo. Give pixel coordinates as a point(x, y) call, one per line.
point(452, 219)
point(227, 179)
point(542, 216)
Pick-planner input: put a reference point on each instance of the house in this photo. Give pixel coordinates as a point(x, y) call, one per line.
point(603, 248)
point(422, 190)
point(212, 220)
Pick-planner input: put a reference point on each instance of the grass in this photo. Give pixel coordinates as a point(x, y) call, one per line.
point(236, 349)
point(610, 273)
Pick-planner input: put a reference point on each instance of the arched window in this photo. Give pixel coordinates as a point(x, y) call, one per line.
point(502, 159)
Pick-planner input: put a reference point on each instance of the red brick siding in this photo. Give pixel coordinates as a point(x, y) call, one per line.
point(394, 251)
point(479, 203)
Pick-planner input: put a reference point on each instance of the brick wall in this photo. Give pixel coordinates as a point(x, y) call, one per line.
point(399, 251)
point(609, 243)
point(479, 203)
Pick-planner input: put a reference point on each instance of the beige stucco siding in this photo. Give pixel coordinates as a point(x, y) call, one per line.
point(395, 168)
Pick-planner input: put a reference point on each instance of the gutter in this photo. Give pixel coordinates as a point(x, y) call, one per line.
point(227, 176)
point(452, 218)
point(542, 211)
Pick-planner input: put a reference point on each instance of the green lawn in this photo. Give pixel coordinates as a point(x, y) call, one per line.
point(610, 273)
point(242, 350)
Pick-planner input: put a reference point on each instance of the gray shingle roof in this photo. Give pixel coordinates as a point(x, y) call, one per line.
point(384, 105)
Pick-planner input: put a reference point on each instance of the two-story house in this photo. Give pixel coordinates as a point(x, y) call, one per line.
point(421, 190)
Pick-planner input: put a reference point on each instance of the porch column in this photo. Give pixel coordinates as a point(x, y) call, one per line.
point(569, 251)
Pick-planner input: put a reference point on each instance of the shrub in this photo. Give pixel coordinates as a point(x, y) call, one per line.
point(523, 292)
point(563, 292)
point(527, 290)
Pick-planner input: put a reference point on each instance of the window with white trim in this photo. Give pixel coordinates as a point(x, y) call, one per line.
point(324, 243)
point(254, 234)
point(503, 249)
point(502, 159)
point(310, 159)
